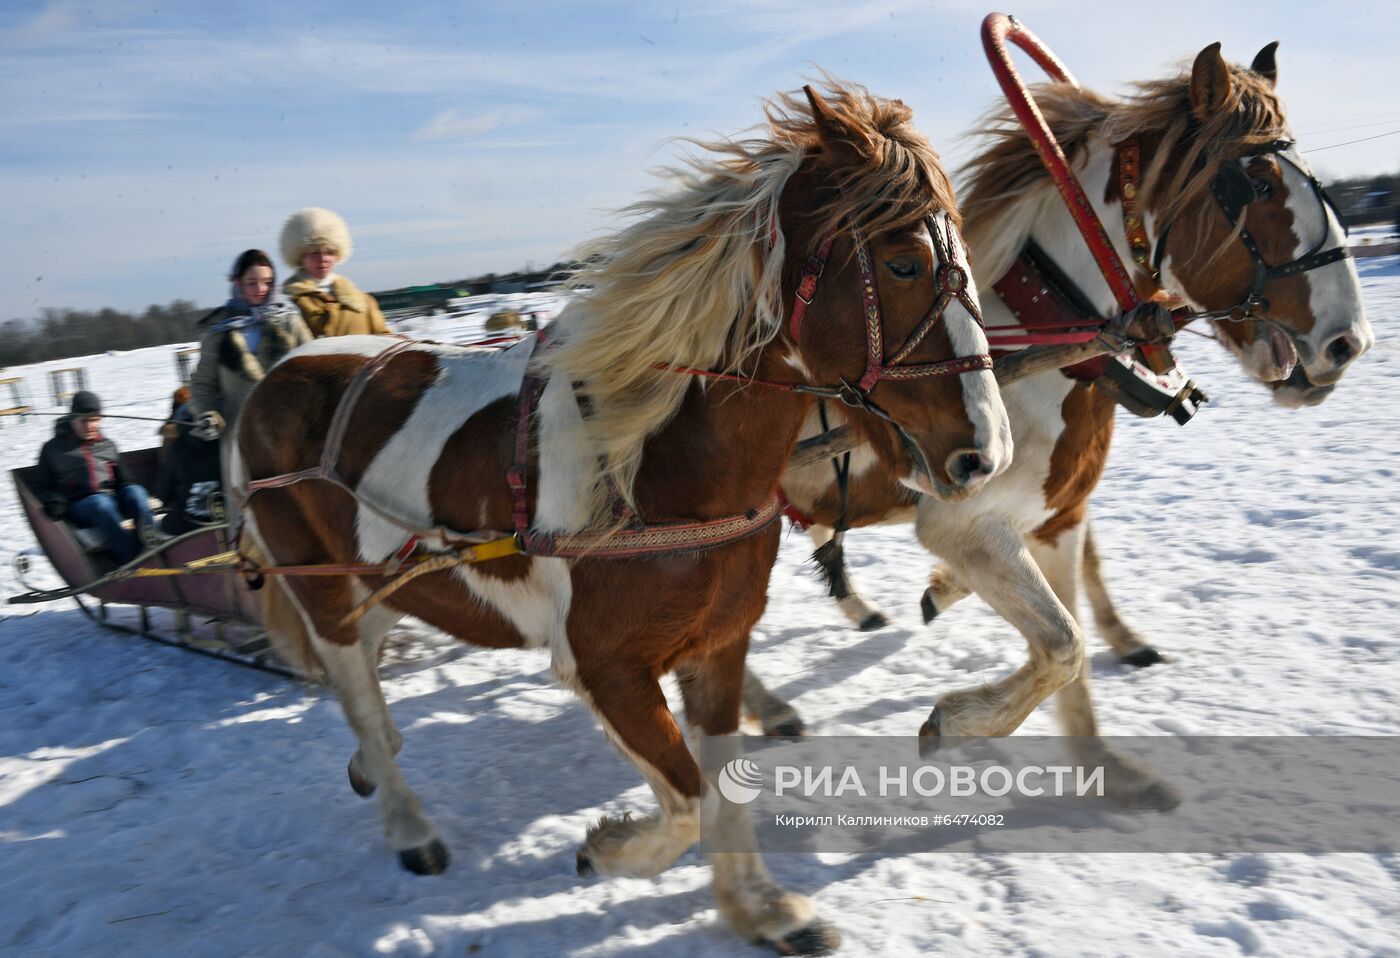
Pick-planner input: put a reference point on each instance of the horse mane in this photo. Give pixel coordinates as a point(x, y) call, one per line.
point(696, 279)
point(1005, 183)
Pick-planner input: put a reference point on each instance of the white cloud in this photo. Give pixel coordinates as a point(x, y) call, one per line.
point(452, 125)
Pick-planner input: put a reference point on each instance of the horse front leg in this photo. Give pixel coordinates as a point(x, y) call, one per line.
point(626, 696)
point(349, 655)
point(1132, 649)
point(990, 558)
point(944, 590)
point(1127, 781)
point(757, 906)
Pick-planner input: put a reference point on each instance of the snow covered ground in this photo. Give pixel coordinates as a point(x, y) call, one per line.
point(154, 802)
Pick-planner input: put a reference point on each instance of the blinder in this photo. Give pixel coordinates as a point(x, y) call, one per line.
point(1234, 190)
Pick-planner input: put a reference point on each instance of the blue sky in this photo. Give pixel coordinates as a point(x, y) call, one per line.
point(143, 145)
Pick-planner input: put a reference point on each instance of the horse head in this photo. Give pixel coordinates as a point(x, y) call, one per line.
point(1254, 239)
point(869, 212)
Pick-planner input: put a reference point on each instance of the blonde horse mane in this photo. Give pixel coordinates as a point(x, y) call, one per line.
point(696, 280)
point(1006, 182)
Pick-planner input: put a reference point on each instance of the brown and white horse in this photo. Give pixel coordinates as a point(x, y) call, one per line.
point(1216, 131)
point(700, 280)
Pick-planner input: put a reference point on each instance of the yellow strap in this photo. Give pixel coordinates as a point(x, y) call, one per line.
point(229, 559)
point(495, 549)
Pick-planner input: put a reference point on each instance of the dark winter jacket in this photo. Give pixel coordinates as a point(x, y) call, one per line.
point(188, 479)
point(71, 469)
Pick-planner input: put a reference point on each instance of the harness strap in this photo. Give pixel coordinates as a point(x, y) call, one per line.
point(635, 540)
point(1129, 170)
point(807, 286)
point(1050, 308)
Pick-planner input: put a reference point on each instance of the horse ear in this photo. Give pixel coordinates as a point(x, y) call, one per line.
point(1264, 63)
point(839, 142)
point(1210, 82)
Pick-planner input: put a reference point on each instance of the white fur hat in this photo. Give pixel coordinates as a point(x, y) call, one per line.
point(314, 228)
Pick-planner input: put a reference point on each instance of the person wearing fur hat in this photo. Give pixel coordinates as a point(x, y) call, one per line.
point(80, 479)
point(240, 341)
point(315, 241)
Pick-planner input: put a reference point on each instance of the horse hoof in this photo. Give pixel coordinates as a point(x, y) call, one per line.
point(363, 787)
point(429, 859)
point(930, 734)
point(818, 938)
point(927, 607)
point(1158, 797)
point(792, 728)
point(584, 865)
point(1143, 657)
point(873, 621)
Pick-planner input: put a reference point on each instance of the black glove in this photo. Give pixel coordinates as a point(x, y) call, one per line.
point(55, 510)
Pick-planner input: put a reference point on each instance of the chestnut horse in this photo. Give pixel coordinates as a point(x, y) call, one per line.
point(621, 422)
point(1234, 220)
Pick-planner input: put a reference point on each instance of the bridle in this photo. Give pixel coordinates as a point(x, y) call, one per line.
point(1233, 191)
point(953, 284)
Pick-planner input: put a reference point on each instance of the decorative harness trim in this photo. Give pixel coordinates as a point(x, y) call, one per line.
point(1147, 381)
point(1129, 169)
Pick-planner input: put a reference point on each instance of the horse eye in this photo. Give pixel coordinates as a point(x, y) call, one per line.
point(1263, 187)
point(905, 267)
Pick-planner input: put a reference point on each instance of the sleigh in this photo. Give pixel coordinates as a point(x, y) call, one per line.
point(214, 615)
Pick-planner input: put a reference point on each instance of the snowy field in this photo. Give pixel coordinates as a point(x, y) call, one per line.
point(155, 802)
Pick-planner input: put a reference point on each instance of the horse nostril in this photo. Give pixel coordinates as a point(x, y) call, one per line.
point(1341, 350)
point(966, 464)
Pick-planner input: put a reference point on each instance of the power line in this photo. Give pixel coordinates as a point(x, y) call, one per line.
point(1339, 128)
point(1333, 146)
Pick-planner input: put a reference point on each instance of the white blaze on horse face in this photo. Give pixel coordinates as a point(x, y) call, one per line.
point(1341, 331)
point(981, 398)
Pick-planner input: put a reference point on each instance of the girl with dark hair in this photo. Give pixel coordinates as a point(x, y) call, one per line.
point(241, 340)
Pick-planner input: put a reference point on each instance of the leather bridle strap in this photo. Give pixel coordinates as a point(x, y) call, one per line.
point(1233, 192)
point(807, 286)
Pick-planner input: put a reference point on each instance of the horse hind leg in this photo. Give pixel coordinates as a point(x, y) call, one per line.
point(775, 715)
point(830, 559)
point(753, 903)
point(1131, 648)
point(1128, 781)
